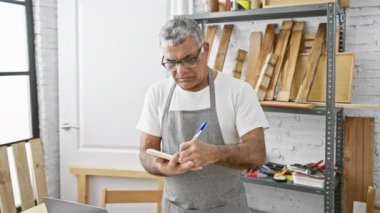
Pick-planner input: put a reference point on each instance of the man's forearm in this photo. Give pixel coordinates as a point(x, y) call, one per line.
point(241, 156)
point(147, 163)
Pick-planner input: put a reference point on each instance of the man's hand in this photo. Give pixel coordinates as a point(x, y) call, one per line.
point(172, 167)
point(198, 152)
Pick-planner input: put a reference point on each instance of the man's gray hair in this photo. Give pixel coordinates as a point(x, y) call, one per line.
point(177, 30)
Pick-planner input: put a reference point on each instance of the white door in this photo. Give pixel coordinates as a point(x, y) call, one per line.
point(108, 57)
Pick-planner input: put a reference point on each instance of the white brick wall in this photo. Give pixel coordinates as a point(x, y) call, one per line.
point(292, 138)
point(45, 21)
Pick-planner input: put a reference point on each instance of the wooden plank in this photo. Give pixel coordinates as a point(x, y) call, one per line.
point(308, 41)
point(349, 165)
point(368, 143)
point(280, 50)
point(287, 105)
point(133, 196)
point(290, 62)
point(23, 176)
point(253, 54)
point(7, 202)
point(266, 48)
point(83, 189)
point(209, 37)
point(110, 172)
point(239, 61)
point(358, 192)
point(345, 64)
point(41, 208)
point(223, 47)
point(284, 3)
point(312, 65)
point(265, 76)
point(39, 169)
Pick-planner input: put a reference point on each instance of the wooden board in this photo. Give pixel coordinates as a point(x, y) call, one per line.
point(23, 176)
point(280, 50)
point(7, 202)
point(223, 47)
point(350, 106)
point(266, 48)
point(344, 3)
point(308, 40)
point(39, 169)
point(312, 64)
point(265, 76)
point(286, 80)
point(209, 37)
point(239, 60)
point(253, 54)
point(284, 3)
point(287, 105)
point(358, 159)
point(345, 64)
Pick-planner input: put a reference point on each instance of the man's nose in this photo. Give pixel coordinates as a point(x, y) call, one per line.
point(180, 68)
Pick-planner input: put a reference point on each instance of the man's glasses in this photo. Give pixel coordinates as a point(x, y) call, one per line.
point(187, 62)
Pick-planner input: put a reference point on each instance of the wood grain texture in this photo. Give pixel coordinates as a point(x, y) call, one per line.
point(358, 159)
point(368, 138)
point(345, 64)
point(82, 188)
point(265, 76)
point(349, 163)
point(312, 65)
point(286, 80)
point(39, 169)
point(7, 202)
point(280, 50)
point(239, 61)
point(266, 48)
point(23, 176)
point(253, 54)
point(209, 37)
point(223, 47)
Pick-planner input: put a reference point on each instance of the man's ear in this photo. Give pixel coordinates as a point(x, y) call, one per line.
point(206, 47)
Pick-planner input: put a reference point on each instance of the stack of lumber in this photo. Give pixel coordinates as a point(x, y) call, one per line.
point(298, 73)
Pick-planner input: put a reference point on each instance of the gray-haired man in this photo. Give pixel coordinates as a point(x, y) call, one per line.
point(208, 179)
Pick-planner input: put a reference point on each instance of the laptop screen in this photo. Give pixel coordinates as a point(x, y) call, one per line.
point(54, 205)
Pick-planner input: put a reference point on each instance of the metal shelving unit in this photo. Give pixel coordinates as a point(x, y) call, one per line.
point(334, 116)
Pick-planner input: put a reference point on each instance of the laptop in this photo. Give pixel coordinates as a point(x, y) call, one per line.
point(54, 205)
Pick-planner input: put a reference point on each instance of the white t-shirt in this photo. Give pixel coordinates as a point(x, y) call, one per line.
point(237, 106)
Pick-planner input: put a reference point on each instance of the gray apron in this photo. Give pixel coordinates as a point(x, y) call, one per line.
point(214, 188)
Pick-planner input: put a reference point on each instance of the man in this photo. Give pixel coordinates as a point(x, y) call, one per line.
point(208, 179)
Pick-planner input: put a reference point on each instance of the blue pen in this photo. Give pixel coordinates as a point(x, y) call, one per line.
point(200, 130)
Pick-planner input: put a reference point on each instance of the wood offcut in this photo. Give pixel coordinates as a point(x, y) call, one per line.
point(280, 50)
point(265, 76)
point(209, 37)
point(223, 47)
point(312, 65)
point(266, 48)
point(285, 83)
point(239, 61)
point(253, 54)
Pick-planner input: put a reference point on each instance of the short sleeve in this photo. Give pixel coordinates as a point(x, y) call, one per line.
point(249, 114)
point(149, 121)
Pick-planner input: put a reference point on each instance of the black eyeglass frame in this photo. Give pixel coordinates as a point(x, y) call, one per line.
point(195, 57)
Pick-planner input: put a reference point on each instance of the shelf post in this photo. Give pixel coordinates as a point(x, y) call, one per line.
point(330, 110)
point(339, 159)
